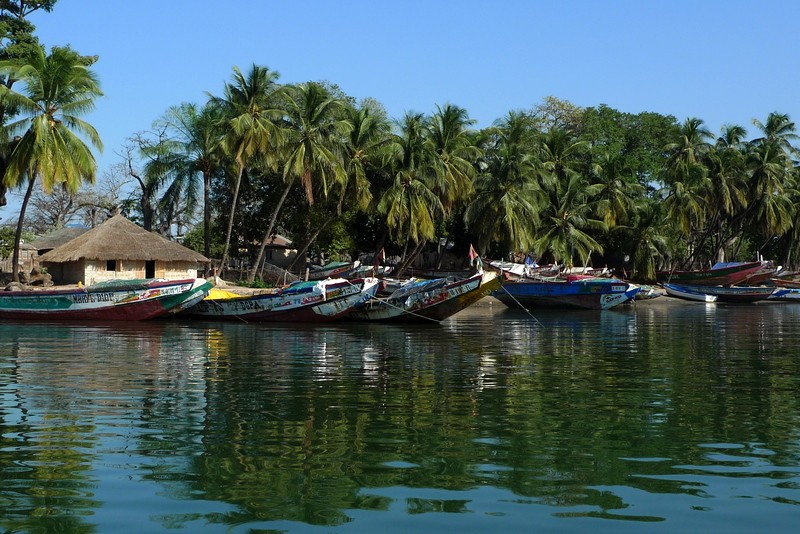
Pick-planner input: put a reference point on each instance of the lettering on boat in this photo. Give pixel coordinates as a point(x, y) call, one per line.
point(86, 298)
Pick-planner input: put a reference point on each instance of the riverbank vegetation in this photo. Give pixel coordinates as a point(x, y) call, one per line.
point(561, 183)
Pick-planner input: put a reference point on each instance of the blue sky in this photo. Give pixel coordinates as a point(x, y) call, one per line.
point(721, 61)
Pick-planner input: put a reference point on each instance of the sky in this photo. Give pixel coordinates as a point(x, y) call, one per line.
point(723, 61)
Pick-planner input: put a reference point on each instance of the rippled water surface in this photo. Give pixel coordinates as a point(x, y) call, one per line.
point(657, 417)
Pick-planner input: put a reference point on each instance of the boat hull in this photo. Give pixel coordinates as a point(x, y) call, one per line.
point(735, 295)
point(118, 300)
point(592, 294)
point(686, 293)
point(435, 305)
point(320, 301)
point(729, 275)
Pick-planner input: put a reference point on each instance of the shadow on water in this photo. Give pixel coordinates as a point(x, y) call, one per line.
point(660, 414)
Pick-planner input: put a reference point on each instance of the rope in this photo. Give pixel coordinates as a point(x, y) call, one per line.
point(402, 309)
point(523, 307)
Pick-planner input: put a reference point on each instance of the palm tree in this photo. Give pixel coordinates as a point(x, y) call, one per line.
point(725, 190)
point(566, 221)
point(250, 119)
point(507, 194)
point(314, 146)
point(194, 153)
point(57, 88)
point(778, 129)
point(685, 176)
point(648, 239)
point(615, 190)
point(411, 205)
point(453, 144)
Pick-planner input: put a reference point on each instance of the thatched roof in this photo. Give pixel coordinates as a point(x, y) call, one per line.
point(57, 238)
point(120, 239)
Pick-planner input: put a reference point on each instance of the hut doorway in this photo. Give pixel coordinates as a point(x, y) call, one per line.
point(150, 269)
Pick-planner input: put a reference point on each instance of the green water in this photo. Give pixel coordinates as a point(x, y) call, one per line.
point(657, 417)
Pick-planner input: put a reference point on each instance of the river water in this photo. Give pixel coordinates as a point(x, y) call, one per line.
point(662, 416)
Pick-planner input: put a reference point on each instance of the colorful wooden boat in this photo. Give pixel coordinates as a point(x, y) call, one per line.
point(428, 300)
point(313, 301)
point(574, 292)
point(114, 300)
point(726, 275)
point(736, 294)
point(687, 293)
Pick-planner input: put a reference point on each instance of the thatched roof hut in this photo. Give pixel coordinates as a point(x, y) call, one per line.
point(56, 238)
point(120, 249)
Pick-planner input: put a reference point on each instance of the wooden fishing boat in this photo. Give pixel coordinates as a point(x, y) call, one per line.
point(114, 300)
point(767, 271)
point(334, 269)
point(312, 301)
point(786, 294)
point(737, 294)
point(726, 275)
point(687, 293)
point(574, 292)
point(648, 292)
point(786, 283)
point(428, 300)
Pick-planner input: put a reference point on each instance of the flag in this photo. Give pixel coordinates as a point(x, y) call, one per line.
point(475, 258)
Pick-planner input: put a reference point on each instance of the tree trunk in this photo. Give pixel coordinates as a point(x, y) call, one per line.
point(207, 214)
point(411, 257)
point(18, 235)
point(311, 240)
point(224, 262)
point(252, 275)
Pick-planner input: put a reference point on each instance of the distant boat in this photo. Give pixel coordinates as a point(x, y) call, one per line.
point(790, 294)
point(767, 271)
point(737, 294)
point(113, 300)
point(428, 300)
point(648, 292)
point(575, 292)
point(312, 301)
point(728, 274)
point(786, 283)
point(687, 293)
point(332, 270)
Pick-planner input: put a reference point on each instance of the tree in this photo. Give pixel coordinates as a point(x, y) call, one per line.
point(456, 152)
point(411, 205)
point(56, 89)
point(566, 221)
point(685, 176)
point(16, 41)
point(314, 148)
point(250, 119)
point(505, 207)
point(194, 154)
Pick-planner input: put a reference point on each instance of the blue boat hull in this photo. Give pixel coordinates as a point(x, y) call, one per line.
point(591, 294)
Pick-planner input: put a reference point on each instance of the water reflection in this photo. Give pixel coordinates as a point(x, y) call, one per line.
point(492, 419)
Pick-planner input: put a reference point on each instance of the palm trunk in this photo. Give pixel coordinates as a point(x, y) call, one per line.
point(252, 275)
point(311, 240)
point(18, 235)
point(207, 214)
point(224, 262)
point(411, 257)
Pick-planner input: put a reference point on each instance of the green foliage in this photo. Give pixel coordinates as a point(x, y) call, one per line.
point(7, 240)
point(194, 239)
